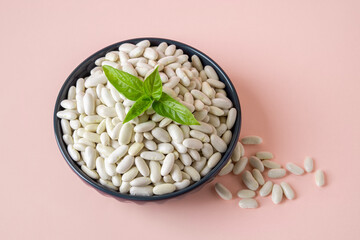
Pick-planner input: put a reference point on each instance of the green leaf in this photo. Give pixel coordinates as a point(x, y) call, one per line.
point(128, 85)
point(138, 108)
point(168, 107)
point(153, 85)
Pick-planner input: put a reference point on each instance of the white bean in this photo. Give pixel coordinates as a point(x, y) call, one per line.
point(222, 191)
point(294, 169)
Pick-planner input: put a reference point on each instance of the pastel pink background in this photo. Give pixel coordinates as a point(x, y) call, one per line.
point(295, 65)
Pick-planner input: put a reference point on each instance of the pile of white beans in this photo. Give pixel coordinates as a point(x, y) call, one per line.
point(150, 154)
point(254, 179)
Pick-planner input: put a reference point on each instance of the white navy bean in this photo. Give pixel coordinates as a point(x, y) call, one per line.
point(168, 164)
point(125, 164)
point(266, 189)
point(319, 178)
point(258, 176)
point(205, 171)
point(182, 184)
point(227, 136)
point(68, 139)
point(165, 122)
point(130, 174)
point(231, 118)
point(72, 93)
point(90, 157)
point(249, 181)
point(108, 184)
point(276, 173)
point(125, 187)
point(117, 154)
point(210, 72)
point(214, 160)
point(308, 164)
point(110, 168)
point(164, 188)
point(218, 143)
point(65, 126)
point(227, 169)
point(248, 203)
point(68, 104)
point(263, 155)
point(100, 168)
point(277, 194)
point(136, 52)
point(222, 191)
point(165, 148)
point(66, 114)
point(79, 147)
point(288, 191)
point(192, 143)
point(155, 171)
point(199, 135)
point(167, 60)
point(142, 166)
point(105, 139)
point(141, 191)
point(201, 96)
point(93, 119)
point(183, 78)
point(73, 153)
point(195, 61)
point(150, 145)
point(195, 176)
point(213, 82)
point(170, 50)
point(203, 127)
point(199, 165)
point(91, 173)
point(185, 159)
point(246, 193)
point(240, 165)
point(221, 129)
point(153, 156)
point(75, 124)
point(135, 148)
point(140, 182)
point(207, 150)
point(151, 54)
point(176, 173)
point(127, 47)
point(256, 163)
point(294, 169)
point(161, 135)
point(236, 153)
point(116, 180)
point(125, 133)
point(271, 164)
point(251, 140)
point(95, 79)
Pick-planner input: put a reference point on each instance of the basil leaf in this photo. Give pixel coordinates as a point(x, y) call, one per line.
point(168, 107)
point(138, 108)
point(153, 85)
point(128, 85)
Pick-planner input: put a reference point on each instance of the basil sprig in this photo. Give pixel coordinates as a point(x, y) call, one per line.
point(148, 93)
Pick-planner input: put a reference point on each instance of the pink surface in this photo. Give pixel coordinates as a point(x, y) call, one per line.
point(295, 65)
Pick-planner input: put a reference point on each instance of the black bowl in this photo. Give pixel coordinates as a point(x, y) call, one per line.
point(83, 70)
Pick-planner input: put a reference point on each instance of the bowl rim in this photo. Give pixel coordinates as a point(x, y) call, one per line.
point(154, 41)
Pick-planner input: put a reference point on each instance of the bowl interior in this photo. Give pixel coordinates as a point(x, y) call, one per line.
point(83, 70)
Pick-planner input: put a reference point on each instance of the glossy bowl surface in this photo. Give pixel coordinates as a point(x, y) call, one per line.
point(83, 70)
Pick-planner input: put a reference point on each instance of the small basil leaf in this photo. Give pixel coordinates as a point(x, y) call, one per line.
point(168, 107)
point(138, 108)
point(153, 85)
point(128, 85)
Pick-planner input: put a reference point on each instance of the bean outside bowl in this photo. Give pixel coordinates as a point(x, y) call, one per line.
point(83, 70)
